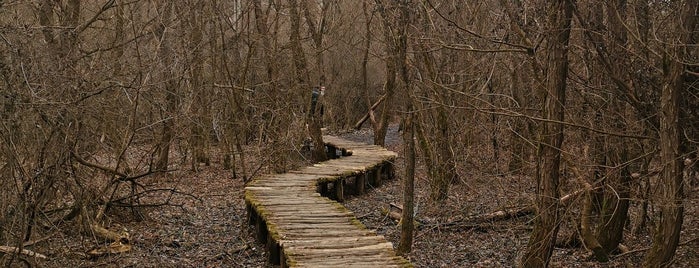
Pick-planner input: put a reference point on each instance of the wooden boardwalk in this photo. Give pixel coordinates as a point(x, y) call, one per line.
point(302, 226)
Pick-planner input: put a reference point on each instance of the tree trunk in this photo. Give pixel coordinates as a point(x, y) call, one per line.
point(440, 159)
point(199, 138)
point(391, 47)
point(612, 151)
point(368, 17)
point(407, 225)
point(670, 187)
point(546, 224)
point(302, 79)
point(586, 226)
point(171, 98)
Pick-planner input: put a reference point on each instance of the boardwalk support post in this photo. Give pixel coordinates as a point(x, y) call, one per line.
point(322, 189)
point(261, 229)
point(360, 181)
point(274, 250)
point(339, 186)
point(250, 213)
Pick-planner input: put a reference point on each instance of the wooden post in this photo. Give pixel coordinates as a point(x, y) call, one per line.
point(282, 259)
point(371, 177)
point(322, 189)
point(251, 215)
point(377, 176)
point(388, 170)
point(360, 181)
point(339, 190)
point(273, 249)
point(261, 229)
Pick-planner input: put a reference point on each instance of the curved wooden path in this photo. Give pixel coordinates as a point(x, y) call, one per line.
point(300, 224)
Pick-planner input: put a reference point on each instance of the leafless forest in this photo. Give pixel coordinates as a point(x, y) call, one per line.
point(558, 133)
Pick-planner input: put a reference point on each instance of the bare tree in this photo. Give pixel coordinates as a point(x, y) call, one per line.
point(170, 84)
point(671, 188)
point(407, 225)
point(546, 224)
point(390, 28)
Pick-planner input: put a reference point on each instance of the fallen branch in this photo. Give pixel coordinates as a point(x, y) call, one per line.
point(629, 252)
point(500, 215)
point(98, 166)
point(121, 175)
point(14, 250)
point(359, 123)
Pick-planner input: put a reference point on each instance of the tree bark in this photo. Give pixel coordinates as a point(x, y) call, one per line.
point(546, 224)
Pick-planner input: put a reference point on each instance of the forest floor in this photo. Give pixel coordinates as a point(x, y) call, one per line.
point(204, 227)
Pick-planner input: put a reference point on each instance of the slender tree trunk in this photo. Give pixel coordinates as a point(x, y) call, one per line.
point(407, 226)
point(610, 151)
point(170, 90)
point(316, 119)
point(519, 151)
point(391, 47)
point(546, 224)
point(368, 17)
point(302, 79)
point(437, 133)
point(200, 109)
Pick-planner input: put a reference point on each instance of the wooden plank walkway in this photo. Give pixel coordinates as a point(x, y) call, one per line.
point(302, 226)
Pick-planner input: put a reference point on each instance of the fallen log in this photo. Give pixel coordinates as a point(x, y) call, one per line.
point(108, 235)
point(26, 252)
point(359, 123)
point(120, 242)
point(500, 215)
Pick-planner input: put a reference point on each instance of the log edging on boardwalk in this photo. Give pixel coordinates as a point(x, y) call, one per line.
point(301, 226)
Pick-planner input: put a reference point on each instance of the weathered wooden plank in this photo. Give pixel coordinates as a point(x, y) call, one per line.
point(373, 249)
point(329, 243)
point(351, 239)
point(318, 227)
point(378, 259)
point(316, 214)
point(306, 233)
point(382, 262)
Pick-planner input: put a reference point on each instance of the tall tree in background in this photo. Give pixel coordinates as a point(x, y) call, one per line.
point(434, 129)
point(200, 106)
point(546, 223)
point(615, 185)
point(315, 118)
point(391, 46)
point(170, 84)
